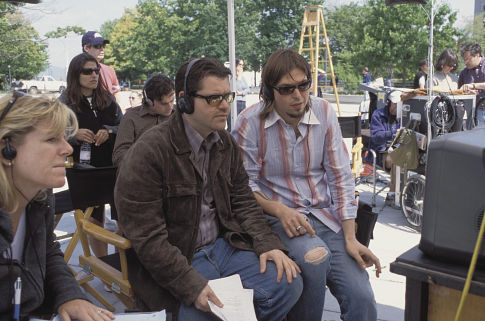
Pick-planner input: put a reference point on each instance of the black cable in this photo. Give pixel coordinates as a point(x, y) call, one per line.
point(442, 113)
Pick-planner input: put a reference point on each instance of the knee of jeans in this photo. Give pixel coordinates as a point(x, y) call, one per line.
point(316, 255)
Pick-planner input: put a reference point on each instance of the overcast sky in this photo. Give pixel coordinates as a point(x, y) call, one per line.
point(91, 14)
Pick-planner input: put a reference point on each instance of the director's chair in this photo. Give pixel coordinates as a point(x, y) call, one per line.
point(89, 188)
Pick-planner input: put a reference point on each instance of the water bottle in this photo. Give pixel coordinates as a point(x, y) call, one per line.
point(85, 153)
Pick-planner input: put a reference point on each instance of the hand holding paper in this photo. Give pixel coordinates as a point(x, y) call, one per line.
point(238, 302)
point(204, 297)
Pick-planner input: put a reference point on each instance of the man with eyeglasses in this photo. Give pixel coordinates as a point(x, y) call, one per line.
point(185, 205)
point(472, 77)
point(93, 43)
point(299, 172)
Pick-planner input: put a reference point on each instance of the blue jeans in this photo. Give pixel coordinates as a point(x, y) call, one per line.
point(347, 281)
point(480, 117)
point(272, 300)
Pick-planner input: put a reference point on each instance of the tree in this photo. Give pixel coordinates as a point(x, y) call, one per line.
point(474, 31)
point(279, 25)
point(158, 36)
point(20, 45)
point(390, 40)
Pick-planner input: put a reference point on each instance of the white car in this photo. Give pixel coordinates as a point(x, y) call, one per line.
point(42, 84)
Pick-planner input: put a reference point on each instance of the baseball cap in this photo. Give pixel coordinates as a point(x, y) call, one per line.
point(93, 38)
point(395, 96)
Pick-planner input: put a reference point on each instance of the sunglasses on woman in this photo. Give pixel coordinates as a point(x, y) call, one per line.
point(89, 71)
point(288, 90)
point(215, 100)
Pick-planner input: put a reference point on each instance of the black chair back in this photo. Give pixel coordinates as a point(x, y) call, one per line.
point(63, 203)
point(91, 186)
point(350, 126)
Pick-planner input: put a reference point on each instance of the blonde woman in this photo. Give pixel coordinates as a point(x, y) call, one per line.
point(33, 149)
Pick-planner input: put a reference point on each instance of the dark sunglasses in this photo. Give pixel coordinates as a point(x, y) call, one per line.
point(215, 100)
point(287, 90)
point(99, 46)
point(89, 71)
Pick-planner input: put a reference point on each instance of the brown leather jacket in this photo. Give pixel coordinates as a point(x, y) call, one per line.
point(158, 198)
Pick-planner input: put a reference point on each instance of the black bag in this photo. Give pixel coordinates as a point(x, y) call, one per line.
point(364, 223)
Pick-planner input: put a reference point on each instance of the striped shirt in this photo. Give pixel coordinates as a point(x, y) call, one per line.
point(310, 173)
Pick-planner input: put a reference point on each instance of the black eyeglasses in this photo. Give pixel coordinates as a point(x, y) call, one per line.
point(215, 100)
point(288, 90)
point(89, 71)
point(100, 46)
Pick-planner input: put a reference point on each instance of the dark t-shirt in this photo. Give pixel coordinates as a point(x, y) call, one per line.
point(418, 75)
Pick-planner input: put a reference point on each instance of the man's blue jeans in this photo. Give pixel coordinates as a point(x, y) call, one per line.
point(481, 117)
point(347, 281)
point(272, 300)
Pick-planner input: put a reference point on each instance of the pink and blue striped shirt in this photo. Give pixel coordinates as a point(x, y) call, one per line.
point(310, 173)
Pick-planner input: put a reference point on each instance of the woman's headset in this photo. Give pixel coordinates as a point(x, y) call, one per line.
point(9, 152)
point(184, 103)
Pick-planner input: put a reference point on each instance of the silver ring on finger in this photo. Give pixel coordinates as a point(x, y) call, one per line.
point(298, 228)
point(99, 311)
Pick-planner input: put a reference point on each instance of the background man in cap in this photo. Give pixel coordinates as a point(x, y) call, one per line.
point(383, 128)
point(93, 43)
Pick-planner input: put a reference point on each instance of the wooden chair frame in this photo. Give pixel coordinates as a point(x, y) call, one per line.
point(90, 188)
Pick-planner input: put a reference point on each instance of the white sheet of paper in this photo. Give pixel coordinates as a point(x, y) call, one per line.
point(238, 302)
point(142, 316)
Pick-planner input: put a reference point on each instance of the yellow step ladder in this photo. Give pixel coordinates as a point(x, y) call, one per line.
point(312, 42)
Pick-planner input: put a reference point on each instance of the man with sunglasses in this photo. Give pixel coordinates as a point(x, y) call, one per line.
point(299, 172)
point(93, 43)
point(185, 205)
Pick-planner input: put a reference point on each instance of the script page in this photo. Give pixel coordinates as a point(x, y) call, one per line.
point(238, 302)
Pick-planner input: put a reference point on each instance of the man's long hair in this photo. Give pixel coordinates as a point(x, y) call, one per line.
point(279, 64)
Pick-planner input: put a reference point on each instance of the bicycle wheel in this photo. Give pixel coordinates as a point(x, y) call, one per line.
point(412, 198)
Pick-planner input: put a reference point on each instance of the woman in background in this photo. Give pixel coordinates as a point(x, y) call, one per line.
point(33, 152)
point(98, 116)
point(443, 79)
point(242, 89)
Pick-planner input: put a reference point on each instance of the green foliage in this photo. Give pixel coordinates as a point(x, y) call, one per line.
point(159, 35)
point(390, 40)
point(474, 31)
point(63, 32)
point(20, 45)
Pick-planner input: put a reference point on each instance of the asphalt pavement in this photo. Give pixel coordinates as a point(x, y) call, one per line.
point(392, 237)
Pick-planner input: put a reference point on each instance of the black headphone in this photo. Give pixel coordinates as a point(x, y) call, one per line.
point(9, 152)
point(147, 99)
point(184, 103)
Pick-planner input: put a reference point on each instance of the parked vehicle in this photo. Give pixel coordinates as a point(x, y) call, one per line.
point(42, 84)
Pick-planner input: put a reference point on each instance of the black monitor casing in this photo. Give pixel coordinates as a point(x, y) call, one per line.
point(454, 198)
